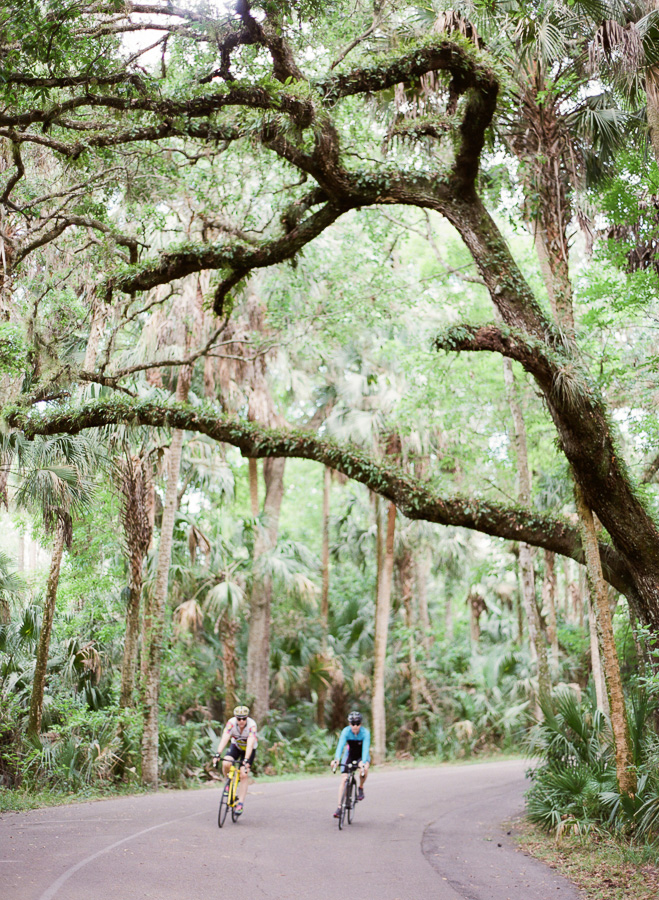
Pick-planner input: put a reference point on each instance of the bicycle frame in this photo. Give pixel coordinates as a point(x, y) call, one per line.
point(349, 795)
point(234, 778)
point(229, 798)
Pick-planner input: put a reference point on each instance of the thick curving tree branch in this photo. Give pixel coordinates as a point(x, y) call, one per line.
point(589, 441)
point(236, 257)
point(414, 498)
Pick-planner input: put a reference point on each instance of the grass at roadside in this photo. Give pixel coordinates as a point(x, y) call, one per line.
point(21, 800)
point(601, 867)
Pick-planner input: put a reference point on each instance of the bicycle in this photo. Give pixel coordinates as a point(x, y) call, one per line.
point(349, 795)
point(229, 798)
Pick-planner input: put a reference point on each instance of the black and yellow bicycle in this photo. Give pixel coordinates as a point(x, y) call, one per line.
point(229, 798)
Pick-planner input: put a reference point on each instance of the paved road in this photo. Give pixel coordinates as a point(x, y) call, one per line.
point(426, 834)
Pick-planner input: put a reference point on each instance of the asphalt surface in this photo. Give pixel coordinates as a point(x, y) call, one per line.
point(420, 833)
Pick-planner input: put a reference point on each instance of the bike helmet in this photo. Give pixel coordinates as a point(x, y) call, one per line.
point(355, 718)
point(241, 711)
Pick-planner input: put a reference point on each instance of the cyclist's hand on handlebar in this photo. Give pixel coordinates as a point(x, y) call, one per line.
point(333, 765)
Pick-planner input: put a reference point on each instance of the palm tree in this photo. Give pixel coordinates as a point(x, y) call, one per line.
point(134, 477)
point(226, 604)
point(561, 124)
point(55, 478)
point(11, 586)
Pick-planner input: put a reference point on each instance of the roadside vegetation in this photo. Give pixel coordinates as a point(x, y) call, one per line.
point(603, 867)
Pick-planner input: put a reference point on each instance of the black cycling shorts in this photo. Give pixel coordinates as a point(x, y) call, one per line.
point(237, 755)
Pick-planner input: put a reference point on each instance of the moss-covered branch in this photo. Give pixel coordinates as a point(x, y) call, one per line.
point(237, 258)
point(414, 498)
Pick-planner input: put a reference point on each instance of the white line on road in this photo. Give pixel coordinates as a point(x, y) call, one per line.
point(56, 885)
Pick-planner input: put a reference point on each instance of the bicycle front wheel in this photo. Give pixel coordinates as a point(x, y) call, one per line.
point(344, 803)
point(352, 798)
point(224, 800)
point(234, 800)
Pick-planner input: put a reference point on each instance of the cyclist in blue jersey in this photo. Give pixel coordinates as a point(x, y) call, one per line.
point(353, 747)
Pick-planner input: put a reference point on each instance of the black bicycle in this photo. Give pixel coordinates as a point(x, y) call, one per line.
point(349, 795)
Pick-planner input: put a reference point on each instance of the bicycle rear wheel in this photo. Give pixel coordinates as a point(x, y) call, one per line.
point(352, 798)
point(224, 800)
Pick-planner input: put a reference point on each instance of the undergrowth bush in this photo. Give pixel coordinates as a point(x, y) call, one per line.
point(574, 787)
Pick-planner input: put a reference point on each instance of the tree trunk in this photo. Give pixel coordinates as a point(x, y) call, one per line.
point(549, 606)
point(533, 622)
point(132, 631)
point(406, 577)
point(155, 636)
point(324, 596)
point(547, 181)
point(258, 651)
point(476, 609)
point(652, 95)
point(601, 697)
point(253, 486)
point(625, 771)
point(43, 648)
point(448, 618)
point(138, 498)
point(519, 607)
point(229, 632)
point(99, 312)
point(379, 556)
point(527, 573)
point(422, 572)
point(382, 612)
point(579, 594)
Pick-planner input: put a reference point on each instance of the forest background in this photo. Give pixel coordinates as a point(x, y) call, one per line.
point(328, 369)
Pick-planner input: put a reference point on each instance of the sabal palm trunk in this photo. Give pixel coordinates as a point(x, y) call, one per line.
point(651, 73)
point(536, 638)
point(422, 571)
point(131, 639)
point(406, 576)
point(382, 612)
point(156, 612)
point(137, 516)
point(39, 683)
point(534, 624)
point(549, 604)
point(155, 636)
point(258, 653)
point(323, 687)
point(229, 663)
point(625, 771)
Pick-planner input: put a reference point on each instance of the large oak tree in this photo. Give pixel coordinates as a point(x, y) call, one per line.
point(242, 85)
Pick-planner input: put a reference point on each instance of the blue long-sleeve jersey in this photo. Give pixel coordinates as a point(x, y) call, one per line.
point(362, 737)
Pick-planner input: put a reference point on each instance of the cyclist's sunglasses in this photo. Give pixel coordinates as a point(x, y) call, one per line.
point(242, 718)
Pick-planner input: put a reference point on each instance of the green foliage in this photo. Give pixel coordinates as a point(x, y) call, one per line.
point(13, 350)
point(574, 787)
point(290, 748)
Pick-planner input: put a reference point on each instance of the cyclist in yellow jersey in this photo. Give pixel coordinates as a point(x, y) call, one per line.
point(240, 734)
